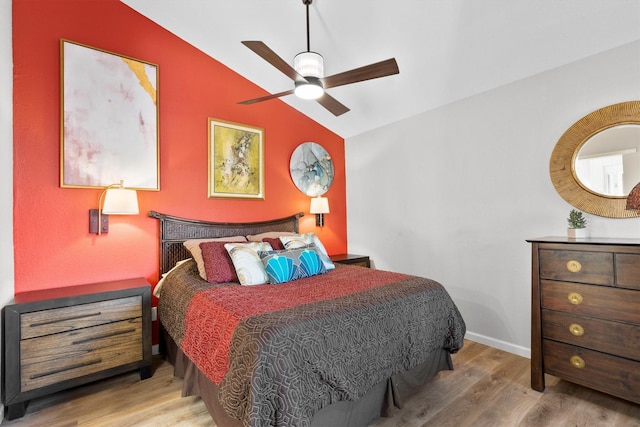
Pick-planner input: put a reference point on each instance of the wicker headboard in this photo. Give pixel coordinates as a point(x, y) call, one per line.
point(174, 231)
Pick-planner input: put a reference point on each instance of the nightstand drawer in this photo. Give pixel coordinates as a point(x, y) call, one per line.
point(604, 372)
point(46, 322)
point(361, 263)
point(587, 300)
point(608, 337)
point(352, 259)
point(577, 266)
point(55, 358)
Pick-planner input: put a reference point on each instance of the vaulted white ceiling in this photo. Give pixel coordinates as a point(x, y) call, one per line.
point(446, 50)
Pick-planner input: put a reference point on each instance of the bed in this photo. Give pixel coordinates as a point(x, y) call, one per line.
point(340, 348)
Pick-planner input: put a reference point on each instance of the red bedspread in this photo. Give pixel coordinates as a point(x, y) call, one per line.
point(213, 314)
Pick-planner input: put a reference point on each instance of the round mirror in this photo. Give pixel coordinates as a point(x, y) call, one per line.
point(596, 162)
point(608, 163)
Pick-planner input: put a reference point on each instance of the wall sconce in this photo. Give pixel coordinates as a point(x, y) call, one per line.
point(117, 201)
point(319, 206)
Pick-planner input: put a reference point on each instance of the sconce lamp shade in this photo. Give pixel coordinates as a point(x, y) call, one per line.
point(117, 201)
point(633, 199)
point(120, 201)
point(319, 205)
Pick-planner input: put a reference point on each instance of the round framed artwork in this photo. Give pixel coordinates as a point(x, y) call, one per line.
point(311, 169)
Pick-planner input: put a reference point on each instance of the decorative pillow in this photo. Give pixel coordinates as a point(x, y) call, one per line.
point(301, 240)
point(156, 289)
point(217, 263)
point(268, 235)
point(275, 243)
point(193, 246)
point(247, 263)
point(292, 264)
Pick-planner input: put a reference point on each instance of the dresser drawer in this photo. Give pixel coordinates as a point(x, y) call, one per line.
point(55, 358)
point(587, 300)
point(610, 374)
point(577, 266)
point(628, 270)
point(46, 322)
point(620, 339)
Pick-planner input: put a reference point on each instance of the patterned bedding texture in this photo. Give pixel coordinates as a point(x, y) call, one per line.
point(280, 353)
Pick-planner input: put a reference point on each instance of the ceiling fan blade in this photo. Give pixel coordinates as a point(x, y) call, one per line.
point(272, 58)
point(333, 105)
point(368, 72)
point(326, 100)
point(266, 98)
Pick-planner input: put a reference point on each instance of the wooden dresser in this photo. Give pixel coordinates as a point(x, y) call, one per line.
point(585, 313)
point(60, 338)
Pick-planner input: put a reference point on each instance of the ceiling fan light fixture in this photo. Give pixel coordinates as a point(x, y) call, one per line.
point(308, 73)
point(309, 64)
point(310, 89)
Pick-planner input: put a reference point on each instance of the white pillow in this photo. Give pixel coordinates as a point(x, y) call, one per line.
point(268, 235)
point(193, 246)
point(247, 263)
point(156, 290)
point(301, 240)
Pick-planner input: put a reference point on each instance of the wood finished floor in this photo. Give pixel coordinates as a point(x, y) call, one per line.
point(488, 387)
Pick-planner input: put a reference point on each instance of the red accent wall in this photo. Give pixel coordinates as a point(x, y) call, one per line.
point(52, 244)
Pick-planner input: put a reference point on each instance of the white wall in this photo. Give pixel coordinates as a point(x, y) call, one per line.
point(6, 158)
point(453, 193)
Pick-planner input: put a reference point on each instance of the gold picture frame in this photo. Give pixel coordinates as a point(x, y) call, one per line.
point(236, 160)
point(109, 119)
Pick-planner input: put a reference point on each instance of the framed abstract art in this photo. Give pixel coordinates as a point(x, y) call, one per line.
point(311, 169)
point(109, 123)
point(236, 160)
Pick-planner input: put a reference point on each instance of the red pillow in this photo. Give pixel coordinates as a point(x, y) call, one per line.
point(217, 263)
point(276, 244)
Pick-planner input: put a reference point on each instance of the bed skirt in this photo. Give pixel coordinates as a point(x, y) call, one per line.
point(381, 401)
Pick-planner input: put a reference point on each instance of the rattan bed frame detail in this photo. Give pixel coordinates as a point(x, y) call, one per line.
point(174, 231)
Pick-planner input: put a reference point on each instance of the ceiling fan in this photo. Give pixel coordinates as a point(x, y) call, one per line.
point(307, 74)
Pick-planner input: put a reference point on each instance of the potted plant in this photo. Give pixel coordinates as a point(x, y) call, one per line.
point(577, 225)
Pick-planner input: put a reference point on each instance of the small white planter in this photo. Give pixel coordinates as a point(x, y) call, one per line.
point(577, 233)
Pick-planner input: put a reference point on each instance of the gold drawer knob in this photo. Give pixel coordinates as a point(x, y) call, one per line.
point(574, 266)
point(575, 298)
point(577, 362)
point(576, 330)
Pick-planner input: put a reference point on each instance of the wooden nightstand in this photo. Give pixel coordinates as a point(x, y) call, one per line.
point(55, 339)
point(361, 260)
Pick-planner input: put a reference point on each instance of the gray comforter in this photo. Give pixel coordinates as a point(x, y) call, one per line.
point(286, 365)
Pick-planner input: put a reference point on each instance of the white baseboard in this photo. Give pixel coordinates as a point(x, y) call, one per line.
point(500, 345)
point(155, 349)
